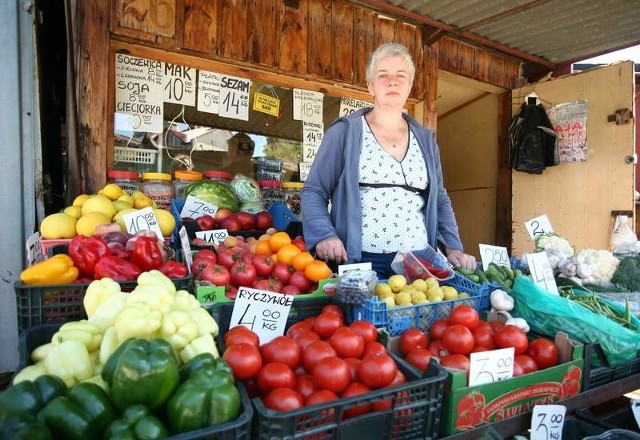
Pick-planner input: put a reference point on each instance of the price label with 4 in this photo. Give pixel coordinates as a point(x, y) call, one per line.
point(195, 207)
point(490, 366)
point(142, 220)
point(262, 312)
point(215, 236)
point(538, 226)
point(494, 254)
point(547, 422)
point(541, 271)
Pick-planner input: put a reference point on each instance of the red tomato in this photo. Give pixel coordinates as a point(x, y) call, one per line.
point(373, 348)
point(437, 328)
point(205, 254)
point(527, 363)
point(333, 308)
point(465, 315)
point(299, 280)
point(281, 272)
point(377, 370)
point(283, 399)
point(304, 385)
point(356, 389)
point(419, 357)
point(511, 336)
point(281, 349)
point(306, 338)
point(314, 352)
point(544, 352)
point(517, 369)
point(483, 334)
point(297, 328)
point(331, 373)
point(457, 361)
point(217, 275)
point(353, 367)
point(412, 338)
point(263, 264)
point(437, 348)
point(458, 339)
point(243, 274)
point(347, 343)
point(368, 331)
point(327, 323)
point(399, 379)
point(311, 320)
point(240, 335)
point(270, 284)
point(244, 360)
point(230, 256)
point(320, 396)
point(495, 325)
point(290, 290)
point(275, 375)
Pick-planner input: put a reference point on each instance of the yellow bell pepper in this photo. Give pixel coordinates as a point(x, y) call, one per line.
point(206, 324)
point(109, 344)
point(30, 372)
point(108, 310)
point(184, 301)
point(138, 320)
point(156, 278)
point(154, 295)
point(178, 328)
point(201, 344)
point(58, 269)
point(98, 292)
point(40, 352)
point(69, 361)
point(85, 332)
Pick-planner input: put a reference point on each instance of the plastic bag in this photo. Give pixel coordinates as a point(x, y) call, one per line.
point(623, 239)
point(533, 143)
point(422, 264)
point(548, 314)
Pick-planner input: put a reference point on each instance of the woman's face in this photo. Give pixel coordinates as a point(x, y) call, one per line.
point(391, 82)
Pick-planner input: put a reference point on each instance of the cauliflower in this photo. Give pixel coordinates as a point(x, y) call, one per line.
point(558, 249)
point(590, 266)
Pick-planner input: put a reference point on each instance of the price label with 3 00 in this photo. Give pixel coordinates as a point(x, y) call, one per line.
point(490, 366)
point(547, 422)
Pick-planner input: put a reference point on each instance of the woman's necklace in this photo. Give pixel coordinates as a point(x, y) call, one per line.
point(393, 144)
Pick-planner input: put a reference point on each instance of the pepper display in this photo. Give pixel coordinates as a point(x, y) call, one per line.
point(31, 396)
point(58, 269)
point(146, 254)
point(137, 422)
point(86, 251)
point(117, 269)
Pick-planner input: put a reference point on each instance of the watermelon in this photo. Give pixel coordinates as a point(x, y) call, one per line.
point(216, 193)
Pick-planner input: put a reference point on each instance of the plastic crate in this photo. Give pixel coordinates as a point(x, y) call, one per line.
point(134, 155)
point(598, 372)
point(414, 412)
point(398, 319)
point(619, 418)
point(59, 303)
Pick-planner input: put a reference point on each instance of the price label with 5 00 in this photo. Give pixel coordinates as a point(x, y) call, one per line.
point(262, 312)
point(142, 220)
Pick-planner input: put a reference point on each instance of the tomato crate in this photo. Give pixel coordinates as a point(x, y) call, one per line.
point(238, 429)
point(398, 319)
point(411, 410)
point(59, 303)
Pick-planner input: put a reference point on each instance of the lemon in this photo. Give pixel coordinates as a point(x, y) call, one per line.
point(397, 282)
point(142, 202)
point(409, 289)
point(127, 199)
point(418, 298)
point(58, 225)
point(73, 211)
point(390, 301)
point(112, 191)
point(79, 201)
point(403, 299)
point(432, 282)
point(137, 194)
point(383, 290)
point(463, 295)
point(100, 204)
point(119, 217)
point(420, 285)
point(449, 292)
point(120, 205)
point(435, 294)
point(86, 224)
point(166, 221)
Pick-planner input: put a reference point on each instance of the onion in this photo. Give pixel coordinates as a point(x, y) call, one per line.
point(116, 237)
point(146, 233)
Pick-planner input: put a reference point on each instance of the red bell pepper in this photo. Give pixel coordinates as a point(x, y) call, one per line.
point(117, 269)
point(415, 267)
point(174, 269)
point(146, 254)
point(86, 251)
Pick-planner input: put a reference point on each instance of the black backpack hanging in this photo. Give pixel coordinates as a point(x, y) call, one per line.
point(533, 143)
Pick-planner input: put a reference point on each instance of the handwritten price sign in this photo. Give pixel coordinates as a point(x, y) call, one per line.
point(541, 272)
point(538, 226)
point(195, 207)
point(493, 254)
point(34, 249)
point(490, 366)
point(215, 236)
point(186, 247)
point(262, 312)
point(547, 422)
point(208, 91)
point(142, 220)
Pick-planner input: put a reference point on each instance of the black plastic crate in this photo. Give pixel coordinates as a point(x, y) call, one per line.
point(598, 372)
point(618, 418)
point(415, 412)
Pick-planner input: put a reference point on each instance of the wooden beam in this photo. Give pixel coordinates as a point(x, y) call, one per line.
point(504, 14)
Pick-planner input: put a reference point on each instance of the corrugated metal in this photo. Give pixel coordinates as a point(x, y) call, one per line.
point(556, 30)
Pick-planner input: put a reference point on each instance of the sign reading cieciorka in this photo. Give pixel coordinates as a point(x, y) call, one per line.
point(262, 312)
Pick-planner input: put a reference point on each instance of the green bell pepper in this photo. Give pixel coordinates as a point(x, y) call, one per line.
point(137, 423)
point(142, 371)
point(31, 396)
point(201, 362)
point(85, 412)
point(22, 426)
point(207, 398)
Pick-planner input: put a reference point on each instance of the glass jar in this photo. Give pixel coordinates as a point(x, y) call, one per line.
point(157, 186)
point(291, 192)
point(129, 181)
point(184, 178)
point(271, 192)
point(218, 176)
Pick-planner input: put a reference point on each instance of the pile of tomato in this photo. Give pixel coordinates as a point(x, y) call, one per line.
point(318, 360)
point(452, 340)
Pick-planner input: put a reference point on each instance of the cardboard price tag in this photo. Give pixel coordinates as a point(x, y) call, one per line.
point(538, 226)
point(491, 366)
point(142, 220)
point(541, 272)
point(493, 254)
point(262, 312)
point(186, 247)
point(34, 249)
point(195, 207)
point(547, 422)
point(215, 236)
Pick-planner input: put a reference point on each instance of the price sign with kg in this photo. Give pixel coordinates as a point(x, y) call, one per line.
point(195, 207)
point(541, 272)
point(215, 236)
point(493, 254)
point(263, 312)
point(547, 422)
point(312, 133)
point(142, 220)
point(186, 247)
point(490, 366)
point(234, 97)
point(538, 226)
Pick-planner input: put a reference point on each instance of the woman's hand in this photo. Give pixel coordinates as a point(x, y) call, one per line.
point(460, 259)
point(331, 249)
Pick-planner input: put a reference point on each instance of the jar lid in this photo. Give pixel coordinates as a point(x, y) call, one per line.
point(188, 175)
point(116, 174)
point(269, 183)
point(292, 185)
point(156, 176)
point(213, 174)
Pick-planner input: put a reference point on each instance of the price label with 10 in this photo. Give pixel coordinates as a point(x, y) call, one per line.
point(142, 220)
